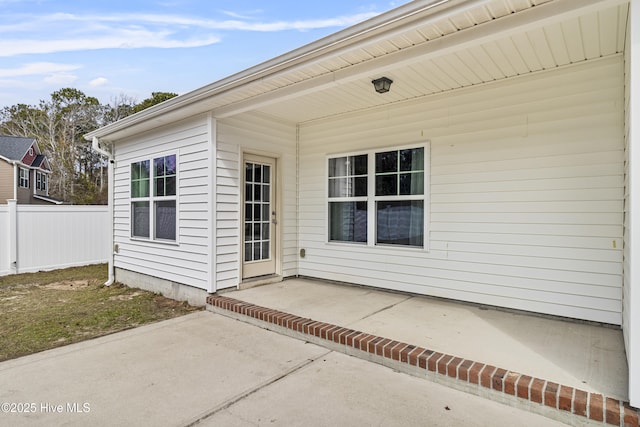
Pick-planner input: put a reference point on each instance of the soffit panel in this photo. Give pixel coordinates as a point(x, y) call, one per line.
point(578, 39)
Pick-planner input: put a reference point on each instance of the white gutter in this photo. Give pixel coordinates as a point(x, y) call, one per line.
point(95, 145)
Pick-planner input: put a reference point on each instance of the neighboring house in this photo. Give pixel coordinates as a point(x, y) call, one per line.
point(24, 172)
point(502, 167)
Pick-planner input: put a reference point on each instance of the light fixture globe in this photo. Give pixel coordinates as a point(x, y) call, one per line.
point(382, 85)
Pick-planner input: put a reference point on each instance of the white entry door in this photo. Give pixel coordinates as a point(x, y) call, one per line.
point(259, 230)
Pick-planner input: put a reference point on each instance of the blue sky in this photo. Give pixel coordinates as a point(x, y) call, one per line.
point(112, 48)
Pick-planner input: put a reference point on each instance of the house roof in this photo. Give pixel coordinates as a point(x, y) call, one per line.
point(37, 161)
point(48, 199)
point(425, 47)
point(15, 147)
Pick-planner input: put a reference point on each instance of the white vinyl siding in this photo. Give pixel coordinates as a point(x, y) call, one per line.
point(264, 136)
point(526, 194)
point(186, 260)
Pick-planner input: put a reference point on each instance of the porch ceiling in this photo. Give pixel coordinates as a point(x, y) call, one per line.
point(439, 55)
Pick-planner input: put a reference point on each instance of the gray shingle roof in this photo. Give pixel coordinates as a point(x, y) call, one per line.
point(14, 147)
point(38, 161)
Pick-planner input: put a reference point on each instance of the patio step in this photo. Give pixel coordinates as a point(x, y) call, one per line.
point(556, 401)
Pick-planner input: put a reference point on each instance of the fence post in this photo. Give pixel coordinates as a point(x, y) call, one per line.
point(13, 235)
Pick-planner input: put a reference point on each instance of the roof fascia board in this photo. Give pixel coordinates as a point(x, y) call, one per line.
point(531, 18)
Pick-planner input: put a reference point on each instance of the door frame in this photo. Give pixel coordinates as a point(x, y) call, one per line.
point(276, 235)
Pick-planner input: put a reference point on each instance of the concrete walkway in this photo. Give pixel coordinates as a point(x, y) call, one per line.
point(206, 369)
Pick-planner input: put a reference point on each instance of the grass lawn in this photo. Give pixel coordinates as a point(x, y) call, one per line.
point(39, 311)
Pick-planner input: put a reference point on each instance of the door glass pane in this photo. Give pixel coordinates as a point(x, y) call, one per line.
point(257, 173)
point(257, 212)
point(266, 176)
point(248, 252)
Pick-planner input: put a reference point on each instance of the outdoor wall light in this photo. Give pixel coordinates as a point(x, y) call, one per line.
point(382, 85)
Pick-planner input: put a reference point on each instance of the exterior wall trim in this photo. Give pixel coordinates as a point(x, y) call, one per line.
point(633, 208)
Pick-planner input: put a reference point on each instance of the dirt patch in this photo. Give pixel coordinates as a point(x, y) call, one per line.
point(68, 285)
point(125, 297)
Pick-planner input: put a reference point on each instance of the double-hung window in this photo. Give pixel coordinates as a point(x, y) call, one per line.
point(153, 198)
point(378, 197)
point(41, 181)
point(348, 182)
point(24, 178)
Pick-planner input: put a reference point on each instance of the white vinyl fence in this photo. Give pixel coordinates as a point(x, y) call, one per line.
point(34, 237)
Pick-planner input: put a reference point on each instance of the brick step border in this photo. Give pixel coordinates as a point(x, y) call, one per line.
point(535, 394)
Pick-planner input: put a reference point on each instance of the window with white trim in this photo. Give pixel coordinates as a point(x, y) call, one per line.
point(24, 178)
point(41, 181)
point(154, 198)
point(378, 197)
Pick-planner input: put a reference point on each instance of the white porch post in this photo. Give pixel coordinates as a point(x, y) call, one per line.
point(213, 208)
point(633, 209)
point(13, 235)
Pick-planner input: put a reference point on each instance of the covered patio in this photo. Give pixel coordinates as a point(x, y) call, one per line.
point(525, 115)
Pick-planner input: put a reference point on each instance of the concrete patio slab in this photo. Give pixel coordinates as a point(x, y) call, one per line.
point(584, 356)
point(157, 375)
point(339, 390)
point(206, 369)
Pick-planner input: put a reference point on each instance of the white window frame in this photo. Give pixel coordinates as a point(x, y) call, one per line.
point(371, 199)
point(41, 181)
point(152, 199)
point(23, 179)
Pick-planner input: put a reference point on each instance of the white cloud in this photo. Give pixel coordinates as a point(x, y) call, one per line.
point(124, 40)
point(61, 79)
point(100, 81)
point(133, 31)
point(37, 68)
point(239, 15)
